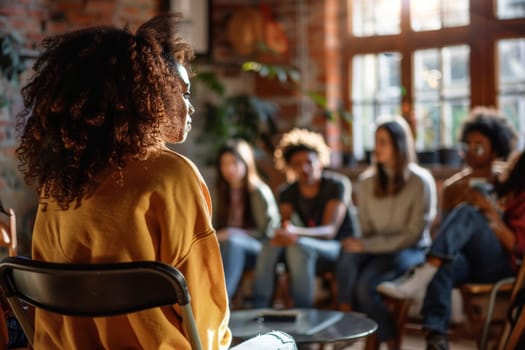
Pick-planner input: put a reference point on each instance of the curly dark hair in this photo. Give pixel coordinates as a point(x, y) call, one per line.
point(493, 125)
point(98, 98)
point(298, 140)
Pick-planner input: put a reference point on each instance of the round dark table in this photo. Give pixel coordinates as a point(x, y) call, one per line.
point(310, 326)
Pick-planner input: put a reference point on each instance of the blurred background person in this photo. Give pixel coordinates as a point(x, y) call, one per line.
point(396, 205)
point(486, 139)
point(246, 213)
point(315, 214)
point(476, 243)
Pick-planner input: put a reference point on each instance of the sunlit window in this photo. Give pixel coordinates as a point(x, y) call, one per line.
point(376, 90)
point(511, 82)
point(376, 17)
point(434, 66)
point(507, 9)
point(436, 14)
point(441, 94)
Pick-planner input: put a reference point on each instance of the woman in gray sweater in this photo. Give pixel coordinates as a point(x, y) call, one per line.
point(397, 203)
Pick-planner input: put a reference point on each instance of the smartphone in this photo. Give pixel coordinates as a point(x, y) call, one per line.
point(481, 184)
point(277, 316)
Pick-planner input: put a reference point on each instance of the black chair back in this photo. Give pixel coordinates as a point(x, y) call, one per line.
point(95, 290)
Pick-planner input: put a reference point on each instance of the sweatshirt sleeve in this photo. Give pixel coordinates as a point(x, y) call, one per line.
point(189, 243)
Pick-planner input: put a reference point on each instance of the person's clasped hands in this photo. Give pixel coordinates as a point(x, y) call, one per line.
point(285, 235)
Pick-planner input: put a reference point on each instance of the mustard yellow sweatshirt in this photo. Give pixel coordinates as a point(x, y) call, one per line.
point(161, 212)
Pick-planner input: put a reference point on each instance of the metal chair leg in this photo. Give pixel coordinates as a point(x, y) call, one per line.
point(490, 309)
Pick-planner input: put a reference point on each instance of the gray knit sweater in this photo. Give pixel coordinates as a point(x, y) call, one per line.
point(396, 222)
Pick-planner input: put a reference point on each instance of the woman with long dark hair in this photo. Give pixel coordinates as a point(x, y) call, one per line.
point(396, 204)
point(246, 211)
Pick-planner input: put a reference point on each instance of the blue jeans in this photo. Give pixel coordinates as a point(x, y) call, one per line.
point(471, 252)
point(358, 276)
point(238, 253)
point(301, 259)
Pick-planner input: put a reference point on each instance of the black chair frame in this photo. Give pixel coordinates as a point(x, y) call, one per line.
point(94, 290)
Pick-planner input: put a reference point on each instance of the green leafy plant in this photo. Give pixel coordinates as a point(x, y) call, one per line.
point(12, 63)
point(287, 74)
point(251, 117)
point(245, 116)
point(290, 75)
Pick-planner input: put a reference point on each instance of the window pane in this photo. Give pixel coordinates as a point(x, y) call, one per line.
point(456, 74)
point(389, 77)
point(376, 17)
point(455, 13)
point(441, 93)
point(362, 17)
point(387, 16)
point(427, 72)
point(364, 81)
point(427, 125)
point(362, 129)
point(511, 54)
point(513, 107)
point(435, 14)
point(425, 15)
point(454, 111)
point(511, 58)
point(511, 9)
point(376, 81)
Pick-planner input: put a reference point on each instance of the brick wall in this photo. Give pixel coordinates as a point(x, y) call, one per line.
point(311, 28)
point(34, 20)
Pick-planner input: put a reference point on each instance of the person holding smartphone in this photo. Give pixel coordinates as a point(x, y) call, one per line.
point(486, 140)
point(475, 243)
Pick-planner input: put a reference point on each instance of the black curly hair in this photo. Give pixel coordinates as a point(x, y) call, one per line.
point(98, 97)
point(494, 126)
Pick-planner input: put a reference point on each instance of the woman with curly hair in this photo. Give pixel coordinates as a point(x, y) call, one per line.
point(486, 138)
point(100, 107)
point(246, 213)
point(479, 242)
point(315, 214)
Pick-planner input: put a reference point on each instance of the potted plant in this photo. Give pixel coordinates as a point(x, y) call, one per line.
point(242, 115)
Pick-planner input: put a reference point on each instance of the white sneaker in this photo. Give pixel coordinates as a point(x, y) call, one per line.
point(410, 286)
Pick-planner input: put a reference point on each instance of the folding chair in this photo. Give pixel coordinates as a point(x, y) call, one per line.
point(470, 290)
point(94, 290)
point(511, 334)
point(8, 239)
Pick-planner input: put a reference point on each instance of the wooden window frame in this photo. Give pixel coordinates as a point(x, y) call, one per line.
point(481, 35)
